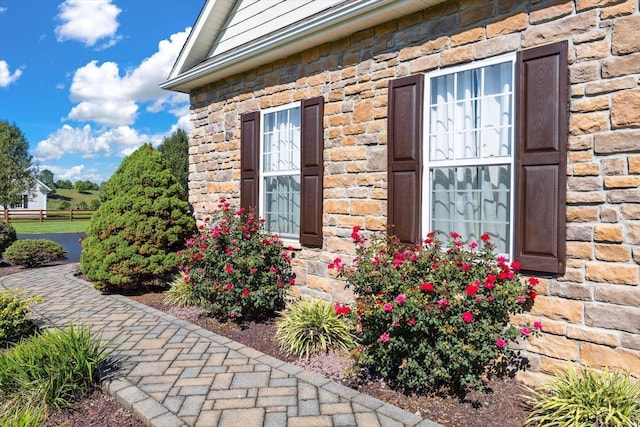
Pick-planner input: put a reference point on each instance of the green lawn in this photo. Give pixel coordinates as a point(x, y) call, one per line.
point(73, 197)
point(35, 227)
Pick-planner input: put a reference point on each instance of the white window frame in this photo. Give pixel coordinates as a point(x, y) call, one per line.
point(428, 165)
point(262, 174)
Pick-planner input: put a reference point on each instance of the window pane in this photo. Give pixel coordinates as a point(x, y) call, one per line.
point(472, 201)
point(473, 109)
point(281, 141)
point(282, 205)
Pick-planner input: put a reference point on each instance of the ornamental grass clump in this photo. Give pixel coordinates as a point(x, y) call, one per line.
point(435, 315)
point(585, 399)
point(237, 270)
point(308, 327)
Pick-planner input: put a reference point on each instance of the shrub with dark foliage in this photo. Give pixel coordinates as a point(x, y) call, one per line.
point(33, 253)
point(7, 236)
point(132, 239)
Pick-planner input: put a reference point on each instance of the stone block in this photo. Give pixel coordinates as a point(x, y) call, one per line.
point(598, 49)
point(508, 25)
point(366, 207)
point(612, 273)
point(612, 316)
point(624, 196)
point(626, 37)
point(620, 65)
point(571, 290)
point(552, 366)
point(634, 164)
point(613, 253)
point(557, 309)
point(580, 156)
point(625, 108)
point(622, 182)
point(456, 55)
point(620, 141)
point(609, 214)
point(581, 233)
point(558, 29)
point(613, 166)
point(618, 294)
point(554, 346)
point(468, 36)
point(633, 232)
point(630, 341)
point(608, 233)
point(496, 46)
point(609, 86)
point(549, 12)
point(586, 196)
point(631, 211)
point(593, 335)
point(624, 8)
point(580, 250)
point(586, 169)
point(583, 72)
point(582, 213)
point(589, 122)
point(600, 357)
point(588, 183)
point(587, 105)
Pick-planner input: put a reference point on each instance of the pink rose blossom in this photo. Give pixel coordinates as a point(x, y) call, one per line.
point(388, 307)
point(384, 338)
point(525, 331)
point(443, 303)
point(401, 298)
point(501, 343)
point(537, 325)
point(467, 317)
point(412, 321)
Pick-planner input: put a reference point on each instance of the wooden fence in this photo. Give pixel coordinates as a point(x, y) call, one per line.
point(46, 215)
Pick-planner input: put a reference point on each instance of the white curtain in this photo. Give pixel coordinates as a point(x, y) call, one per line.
point(471, 120)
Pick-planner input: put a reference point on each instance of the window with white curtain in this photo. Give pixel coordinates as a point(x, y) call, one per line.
point(469, 151)
point(280, 170)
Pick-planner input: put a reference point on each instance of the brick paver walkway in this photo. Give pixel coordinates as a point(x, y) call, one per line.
point(175, 373)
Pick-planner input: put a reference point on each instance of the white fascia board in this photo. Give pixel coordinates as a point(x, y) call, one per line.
point(332, 24)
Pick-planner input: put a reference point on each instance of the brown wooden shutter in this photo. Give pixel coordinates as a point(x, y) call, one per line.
point(541, 158)
point(404, 138)
point(249, 159)
point(312, 148)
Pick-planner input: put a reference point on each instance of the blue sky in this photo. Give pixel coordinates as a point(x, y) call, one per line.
point(80, 78)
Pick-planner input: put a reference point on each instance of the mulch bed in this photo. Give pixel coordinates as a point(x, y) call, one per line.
point(503, 406)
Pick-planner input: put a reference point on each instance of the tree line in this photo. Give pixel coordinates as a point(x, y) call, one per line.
point(19, 171)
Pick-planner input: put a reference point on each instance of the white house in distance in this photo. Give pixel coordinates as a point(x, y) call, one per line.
point(33, 200)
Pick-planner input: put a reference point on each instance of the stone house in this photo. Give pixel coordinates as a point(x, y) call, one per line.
point(517, 118)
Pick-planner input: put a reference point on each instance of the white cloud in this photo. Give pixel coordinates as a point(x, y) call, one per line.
point(74, 173)
point(3, 9)
point(6, 78)
point(121, 140)
point(88, 22)
point(106, 97)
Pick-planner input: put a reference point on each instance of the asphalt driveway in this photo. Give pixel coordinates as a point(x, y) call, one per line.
point(69, 241)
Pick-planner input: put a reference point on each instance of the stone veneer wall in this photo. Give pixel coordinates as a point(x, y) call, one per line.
point(592, 314)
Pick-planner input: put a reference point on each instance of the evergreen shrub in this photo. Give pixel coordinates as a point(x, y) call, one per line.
point(435, 315)
point(132, 239)
point(7, 236)
point(33, 253)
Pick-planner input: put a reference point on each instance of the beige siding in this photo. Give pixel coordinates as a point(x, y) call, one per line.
point(253, 19)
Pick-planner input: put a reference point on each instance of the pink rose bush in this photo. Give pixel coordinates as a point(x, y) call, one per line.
point(237, 270)
point(436, 314)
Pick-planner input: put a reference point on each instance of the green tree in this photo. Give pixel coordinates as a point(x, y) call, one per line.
point(17, 173)
point(175, 151)
point(84, 186)
point(64, 184)
point(46, 176)
point(144, 220)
